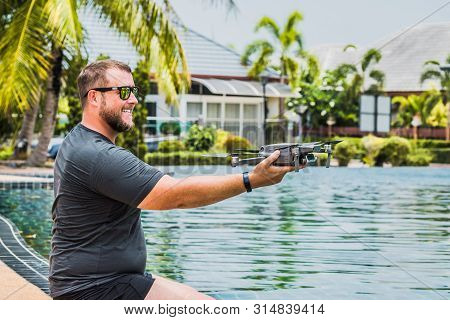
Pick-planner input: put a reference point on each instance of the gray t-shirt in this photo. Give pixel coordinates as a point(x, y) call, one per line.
point(97, 232)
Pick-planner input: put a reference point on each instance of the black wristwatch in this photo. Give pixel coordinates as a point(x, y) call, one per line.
point(247, 184)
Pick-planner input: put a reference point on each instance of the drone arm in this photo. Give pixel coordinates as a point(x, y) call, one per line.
point(251, 161)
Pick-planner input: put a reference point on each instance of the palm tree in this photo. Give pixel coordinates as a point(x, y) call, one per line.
point(286, 41)
point(434, 72)
point(38, 33)
point(412, 106)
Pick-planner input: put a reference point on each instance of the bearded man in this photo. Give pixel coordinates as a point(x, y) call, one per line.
point(98, 245)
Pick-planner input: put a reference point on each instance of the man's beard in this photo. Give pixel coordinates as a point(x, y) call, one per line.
point(114, 118)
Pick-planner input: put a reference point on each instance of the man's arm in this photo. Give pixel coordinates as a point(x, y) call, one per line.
point(197, 191)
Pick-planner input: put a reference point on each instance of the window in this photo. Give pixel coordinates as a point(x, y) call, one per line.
point(250, 112)
point(194, 110)
point(213, 111)
point(232, 111)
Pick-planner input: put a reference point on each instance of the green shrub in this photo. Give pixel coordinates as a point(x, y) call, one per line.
point(371, 146)
point(172, 127)
point(441, 155)
point(6, 152)
point(428, 143)
point(170, 146)
point(200, 138)
point(395, 150)
point(182, 158)
point(344, 152)
point(221, 138)
point(419, 157)
point(236, 142)
point(321, 159)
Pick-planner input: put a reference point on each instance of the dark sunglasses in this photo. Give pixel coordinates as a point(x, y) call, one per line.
point(124, 92)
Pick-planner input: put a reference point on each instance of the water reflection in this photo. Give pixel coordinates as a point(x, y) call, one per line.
point(337, 234)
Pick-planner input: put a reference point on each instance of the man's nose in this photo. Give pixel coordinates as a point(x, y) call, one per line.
point(133, 99)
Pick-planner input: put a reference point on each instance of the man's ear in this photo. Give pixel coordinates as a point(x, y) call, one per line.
point(92, 97)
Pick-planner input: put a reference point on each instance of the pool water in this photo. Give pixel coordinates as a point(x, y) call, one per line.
point(338, 233)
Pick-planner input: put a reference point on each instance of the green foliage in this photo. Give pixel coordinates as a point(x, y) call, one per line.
point(6, 152)
point(259, 54)
point(429, 143)
point(372, 146)
point(421, 105)
point(183, 158)
point(171, 127)
point(70, 90)
point(395, 150)
point(441, 155)
point(419, 157)
point(200, 138)
point(170, 146)
point(221, 138)
point(321, 159)
point(133, 140)
point(236, 142)
point(344, 152)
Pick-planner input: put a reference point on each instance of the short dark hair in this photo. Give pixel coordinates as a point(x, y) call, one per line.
point(94, 75)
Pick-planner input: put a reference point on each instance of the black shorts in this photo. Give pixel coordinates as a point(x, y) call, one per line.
point(128, 287)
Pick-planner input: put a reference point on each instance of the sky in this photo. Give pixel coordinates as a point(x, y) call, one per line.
point(359, 22)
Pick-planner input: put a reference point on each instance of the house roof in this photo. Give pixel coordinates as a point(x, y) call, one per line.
point(403, 55)
point(205, 57)
point(246, 88)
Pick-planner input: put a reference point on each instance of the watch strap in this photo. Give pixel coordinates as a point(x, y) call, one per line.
point(247, 184)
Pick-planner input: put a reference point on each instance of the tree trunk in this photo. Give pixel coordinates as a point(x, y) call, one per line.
point(53, 87)
point(23, 144)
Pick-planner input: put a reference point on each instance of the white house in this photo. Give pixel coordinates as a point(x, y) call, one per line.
point(221, 95)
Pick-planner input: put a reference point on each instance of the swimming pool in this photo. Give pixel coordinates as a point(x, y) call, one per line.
point(339, 233)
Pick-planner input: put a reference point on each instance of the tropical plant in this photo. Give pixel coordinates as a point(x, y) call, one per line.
point(236, 142)
point(286, 41)
point(200, 138)
point(416, 105)
point(37, 35)
point(170, 146)
point(372, 146)
point(395, 150)
point(433, 72)
point(344, 152)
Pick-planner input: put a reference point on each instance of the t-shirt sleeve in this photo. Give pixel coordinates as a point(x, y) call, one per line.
point(120, 175)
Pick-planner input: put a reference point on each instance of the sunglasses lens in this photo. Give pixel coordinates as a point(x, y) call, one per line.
point(135, 91)
point(125, 93)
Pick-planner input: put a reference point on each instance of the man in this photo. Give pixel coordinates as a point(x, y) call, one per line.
point(98, 246)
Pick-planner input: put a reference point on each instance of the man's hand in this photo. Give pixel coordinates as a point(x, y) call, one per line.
point(265, 174)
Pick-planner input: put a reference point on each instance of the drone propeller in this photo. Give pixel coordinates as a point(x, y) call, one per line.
point(332, 142)
point(225, 155)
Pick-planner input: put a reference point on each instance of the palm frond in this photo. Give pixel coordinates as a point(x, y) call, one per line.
point(291, 68)
point(430, 74)
point(431, 62)
point(270, 25)
point(252, 48)
point(230, 4)
point(378, 76)
point(448, 59)
point(293, 19)
point(63, 21)
point(372, 55)
point(349, 46)
point(154, 38)
point(24, 58)
point(261, 63)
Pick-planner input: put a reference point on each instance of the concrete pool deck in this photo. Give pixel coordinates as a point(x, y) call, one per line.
point(14, 287)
